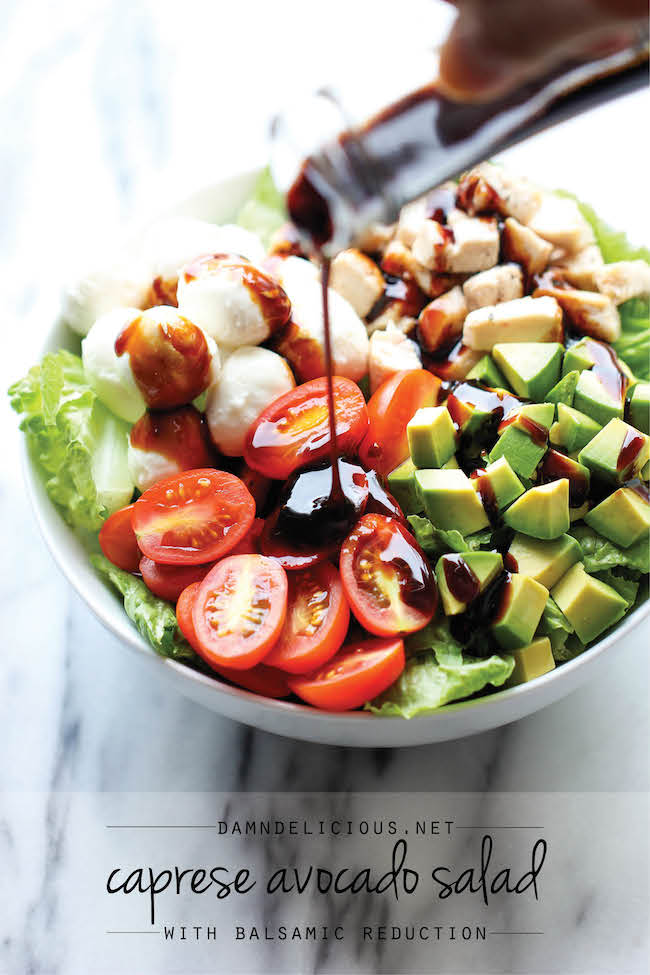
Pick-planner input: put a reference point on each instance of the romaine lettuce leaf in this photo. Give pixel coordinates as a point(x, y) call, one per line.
point(265, 211)
point(80, 446)
point(627, 588)
point(600, 554)
point(556, 627)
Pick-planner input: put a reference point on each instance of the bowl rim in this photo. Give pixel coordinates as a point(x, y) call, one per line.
point(122, 627)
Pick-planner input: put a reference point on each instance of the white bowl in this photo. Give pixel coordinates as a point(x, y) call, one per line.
point(218, 203)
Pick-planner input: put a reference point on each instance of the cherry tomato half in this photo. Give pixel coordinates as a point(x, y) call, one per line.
point(192, 518)
point(250, 543)
point(169, 581)
point(387, 579)
point(358, 673)
point(290, 555)
point(317, 621)
point(294, 429)
point(118, 542)
point(239, 611)
point(391, 407)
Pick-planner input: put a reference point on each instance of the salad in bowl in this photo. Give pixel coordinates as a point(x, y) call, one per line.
point(491, 417)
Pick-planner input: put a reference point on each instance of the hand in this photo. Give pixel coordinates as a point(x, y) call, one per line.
point(495, 45)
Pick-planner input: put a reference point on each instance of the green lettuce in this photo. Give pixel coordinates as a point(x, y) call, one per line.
point(556, 627)
point(79, 445)
point(627, 588)
point(600, 554)
point(154, 618)
point(264, 212)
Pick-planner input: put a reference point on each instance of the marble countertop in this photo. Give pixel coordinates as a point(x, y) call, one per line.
point(108, 107)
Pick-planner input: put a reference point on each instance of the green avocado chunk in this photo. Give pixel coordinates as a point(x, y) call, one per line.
point(522, 604)
point(573, 430)
point(593, 398)
point(540, 413)
point(450, 501)
point(497, 485)
point(639, 407)
point(617, 453)
point(590, 605)
point(577, 358)
point(401, 484)
point(531, 661)
point(531, 368)
point(451, 465)
point(431, 436)
point(473, 570)
point(544, 561)
point(486, 371)
point(521, 442)
point(556, 465)
point(564, 391)
point(542, 512)
point(623, 517)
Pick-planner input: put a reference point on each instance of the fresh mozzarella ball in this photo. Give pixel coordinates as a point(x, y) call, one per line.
point(303, 342)
point(109, 374)
point(100, 291)
point(147, 467)
point(165, 443)
point(250, 379)
point(232, 300)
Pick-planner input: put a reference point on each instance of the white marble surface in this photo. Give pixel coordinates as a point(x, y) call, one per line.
point(108, 107)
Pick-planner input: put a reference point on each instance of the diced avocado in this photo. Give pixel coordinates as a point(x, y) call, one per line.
point(623, 517)
point(431, 436)
point(564, 391)
point(401, 484)
point(617, 453)
point(645, 473)
point(522, 451)
point(573, 429)
point(522, 604)
point(450, 501)
point(498, 484)
point(542, 512)
point(590, 605)
point(544, 561)
point(593, 398)
point(531, 368)
point(540, 413)
point(465, 575)
point(639, 407)
point(577, 358)
point(451, 465)
point(485, 371)
point(556, 465)
point(531, 661)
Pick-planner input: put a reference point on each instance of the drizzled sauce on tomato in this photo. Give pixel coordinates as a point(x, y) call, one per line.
point(461, 580)
point(306, 509)
point(180, 435)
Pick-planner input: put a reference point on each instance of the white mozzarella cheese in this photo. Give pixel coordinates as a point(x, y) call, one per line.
point(109, 374)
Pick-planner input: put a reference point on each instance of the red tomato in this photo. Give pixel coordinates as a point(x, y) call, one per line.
point(294, 429)
point(250, 543)
point(239, 611)
point(193, 518)
point(317, 621)
point(118, 542)
point(184, 614)
point(358, 673)
point(391, 407)
point(291, 557)
point(386, 577)
point(169, 581)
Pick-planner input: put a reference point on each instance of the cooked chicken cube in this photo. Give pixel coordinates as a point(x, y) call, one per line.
point(559, 221)
point(487, 188)
point(390, 352)
point(579, 269)
point(358, 279)
point(623, 280)
point(502, 283)
point(399, 261)
point(523, 320)
point(455, 366)
point(523, 245)
point(376, 237)
point(441, 321)
point(392, 315)
point(590, 313)
point(410, 221)
point(465, 245)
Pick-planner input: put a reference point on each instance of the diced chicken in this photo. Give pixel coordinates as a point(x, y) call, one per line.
point(390, 352)
point(376, 237)
point(580, 269)
point(286, 242)
point(488, 188)
point(441, 321)
point(465, 245)
point(458, 363)
point(410, 221)
point(501, 283)
point(524, 320)
point(623, 280)
point(358, 279)
point(392, 315)
point(399, 261)
point(523, 245)
point(590, 313)
point(559, 221)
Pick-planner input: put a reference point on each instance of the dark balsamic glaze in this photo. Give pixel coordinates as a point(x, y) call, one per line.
point(510, 563)
point(630, 449)
point(411, 297)
point(537, 433)
point(440, 202)
point(555, 466)
point(472, 628)
point(504, 597)
point(180, 435)
point(461, 581)
point(312, 513)
point(398, 554)
point(380, 501)
point(639, 488)
point(263, 289)
point(487, 495)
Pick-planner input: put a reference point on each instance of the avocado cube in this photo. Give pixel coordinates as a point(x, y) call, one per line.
point(617, 453)
point(531, 662)
point(520, 610)
point(486, 372)
point(450, 501)
point(593, 398)
point(544, 561)
point(573, 429)
point(531, 368)
point(498, 485)
point(645, 473)
point(461, 578)
point(542, 512)
point(639, 407)
point(520, 450)
point(451, 465)
point(431, 436)
point(564, 391)
point(623, 517)
point(556, 465)
point(540, 414)
point(401, 484)
point(590, 605)
point(577, 358)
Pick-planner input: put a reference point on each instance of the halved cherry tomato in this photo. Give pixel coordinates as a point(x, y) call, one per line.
point(239, 611)
point(291, 556)
point(386, 577)
point(317, 621)
point(358, 673)
point(169, 581)
point(193, 518)
point(294, 429)
point(118, 542)
point(391, 407)
point(250, 543)
point(184, 613)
